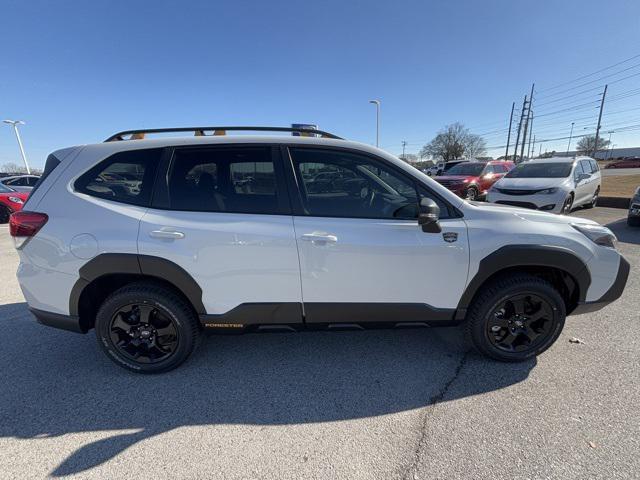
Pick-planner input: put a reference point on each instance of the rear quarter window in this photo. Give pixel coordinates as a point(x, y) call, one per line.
point(125, 177)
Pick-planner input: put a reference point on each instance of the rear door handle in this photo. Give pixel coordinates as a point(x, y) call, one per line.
point(319, 238)
point(166, 234)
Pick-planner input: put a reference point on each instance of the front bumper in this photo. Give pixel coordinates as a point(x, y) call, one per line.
point(546, 202)
point(611, 295)
point(58, 320)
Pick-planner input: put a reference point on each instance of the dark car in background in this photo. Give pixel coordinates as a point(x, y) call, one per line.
point(629, 162)
point(472, 180)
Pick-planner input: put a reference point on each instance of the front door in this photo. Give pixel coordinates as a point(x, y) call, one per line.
point(363, 257)
point(222, 214)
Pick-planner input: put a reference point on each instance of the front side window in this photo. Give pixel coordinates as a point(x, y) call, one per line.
point(343, 184)
point(125, 177)
point(223, 179)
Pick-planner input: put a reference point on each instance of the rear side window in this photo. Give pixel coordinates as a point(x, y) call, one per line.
point(224, 179)
point(594, 166)
point(125, 177)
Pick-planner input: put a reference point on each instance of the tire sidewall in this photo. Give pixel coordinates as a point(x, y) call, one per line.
point(119, 300)
point(480, 332)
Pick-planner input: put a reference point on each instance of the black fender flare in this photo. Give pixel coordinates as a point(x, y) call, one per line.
point(127, 263)
point(511, 256)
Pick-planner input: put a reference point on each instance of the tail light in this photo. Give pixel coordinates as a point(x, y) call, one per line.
point(24, 225)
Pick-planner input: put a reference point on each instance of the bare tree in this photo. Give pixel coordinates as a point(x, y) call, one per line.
point(587, 145)
point(454, 141)
point(11, 167)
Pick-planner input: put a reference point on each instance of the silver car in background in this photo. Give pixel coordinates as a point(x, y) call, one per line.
point(20, 183)
point(557, 184)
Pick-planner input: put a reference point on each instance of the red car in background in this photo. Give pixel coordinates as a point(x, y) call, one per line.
point(10, 201)
point(472, 180)
point(631, 162)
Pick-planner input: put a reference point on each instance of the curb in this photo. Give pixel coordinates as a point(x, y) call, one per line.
point(614, 202)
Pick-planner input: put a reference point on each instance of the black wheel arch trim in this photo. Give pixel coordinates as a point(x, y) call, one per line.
point(511, 256)
point(128, 263)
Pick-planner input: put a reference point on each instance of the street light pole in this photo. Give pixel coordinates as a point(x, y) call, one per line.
point(14, 124)
point(570, 135)
point(377, 104)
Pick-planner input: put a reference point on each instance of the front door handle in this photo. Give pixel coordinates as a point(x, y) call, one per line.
point(319, 238)
point(166, 234)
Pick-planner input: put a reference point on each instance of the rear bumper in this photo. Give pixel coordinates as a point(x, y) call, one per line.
point(611, 295)
point(57, 320)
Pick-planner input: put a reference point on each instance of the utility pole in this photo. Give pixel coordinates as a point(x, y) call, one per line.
point(540, 151)
point(404, 144)
point(533, 150)
point(515, 152)
point(506, 152)
point(595, 147)
point(570, 135)
point(530, 136)
point(14, 124)
point(526, 125)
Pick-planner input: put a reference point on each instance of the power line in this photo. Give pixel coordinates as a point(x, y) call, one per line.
point(590, 74)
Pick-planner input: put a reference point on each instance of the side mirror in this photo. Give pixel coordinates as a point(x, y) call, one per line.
point(428, 216)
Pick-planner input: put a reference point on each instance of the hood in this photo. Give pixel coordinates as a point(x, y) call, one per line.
point(453, 178)
point(21, 195)
point(526, 214)
point(530, 183)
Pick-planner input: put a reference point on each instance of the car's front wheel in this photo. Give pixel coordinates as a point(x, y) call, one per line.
point(515, 317)
point(471, 193)
point(146, 328)
point(567, 205)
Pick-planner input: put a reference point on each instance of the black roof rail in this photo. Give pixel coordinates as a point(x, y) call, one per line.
point(199, 131)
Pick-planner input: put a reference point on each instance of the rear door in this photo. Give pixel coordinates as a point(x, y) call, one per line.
point(222, 214)
point(363, 257)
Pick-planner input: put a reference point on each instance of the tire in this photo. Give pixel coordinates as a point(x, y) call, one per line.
point(567, 206)
point(594, 200)
point(633, 221)
point(489, 332)
point(471, 194)
point(4, 214)
point(159, 344)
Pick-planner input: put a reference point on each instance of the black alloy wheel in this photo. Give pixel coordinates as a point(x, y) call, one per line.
point(520, 322)
point(143, 333)
point(515, 317)
point(147, 327)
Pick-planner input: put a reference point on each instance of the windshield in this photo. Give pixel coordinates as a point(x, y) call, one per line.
point(473, 169)
point(5, 189)
point(541, 170)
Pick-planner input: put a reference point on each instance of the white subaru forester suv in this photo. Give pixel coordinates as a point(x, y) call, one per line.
point(152, 241)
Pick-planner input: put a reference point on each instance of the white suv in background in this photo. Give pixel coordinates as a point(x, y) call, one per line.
point(556, 185)
point(152, 241)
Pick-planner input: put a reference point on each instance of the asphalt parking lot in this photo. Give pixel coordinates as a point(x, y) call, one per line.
point(365, 405)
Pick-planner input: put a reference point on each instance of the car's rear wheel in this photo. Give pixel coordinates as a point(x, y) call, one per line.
point(594, 200)
point(471, 194)
point(515, 318)
point(567, 205)
point(146, 328)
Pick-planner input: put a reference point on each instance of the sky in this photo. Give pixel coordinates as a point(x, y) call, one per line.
point(76, 72)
